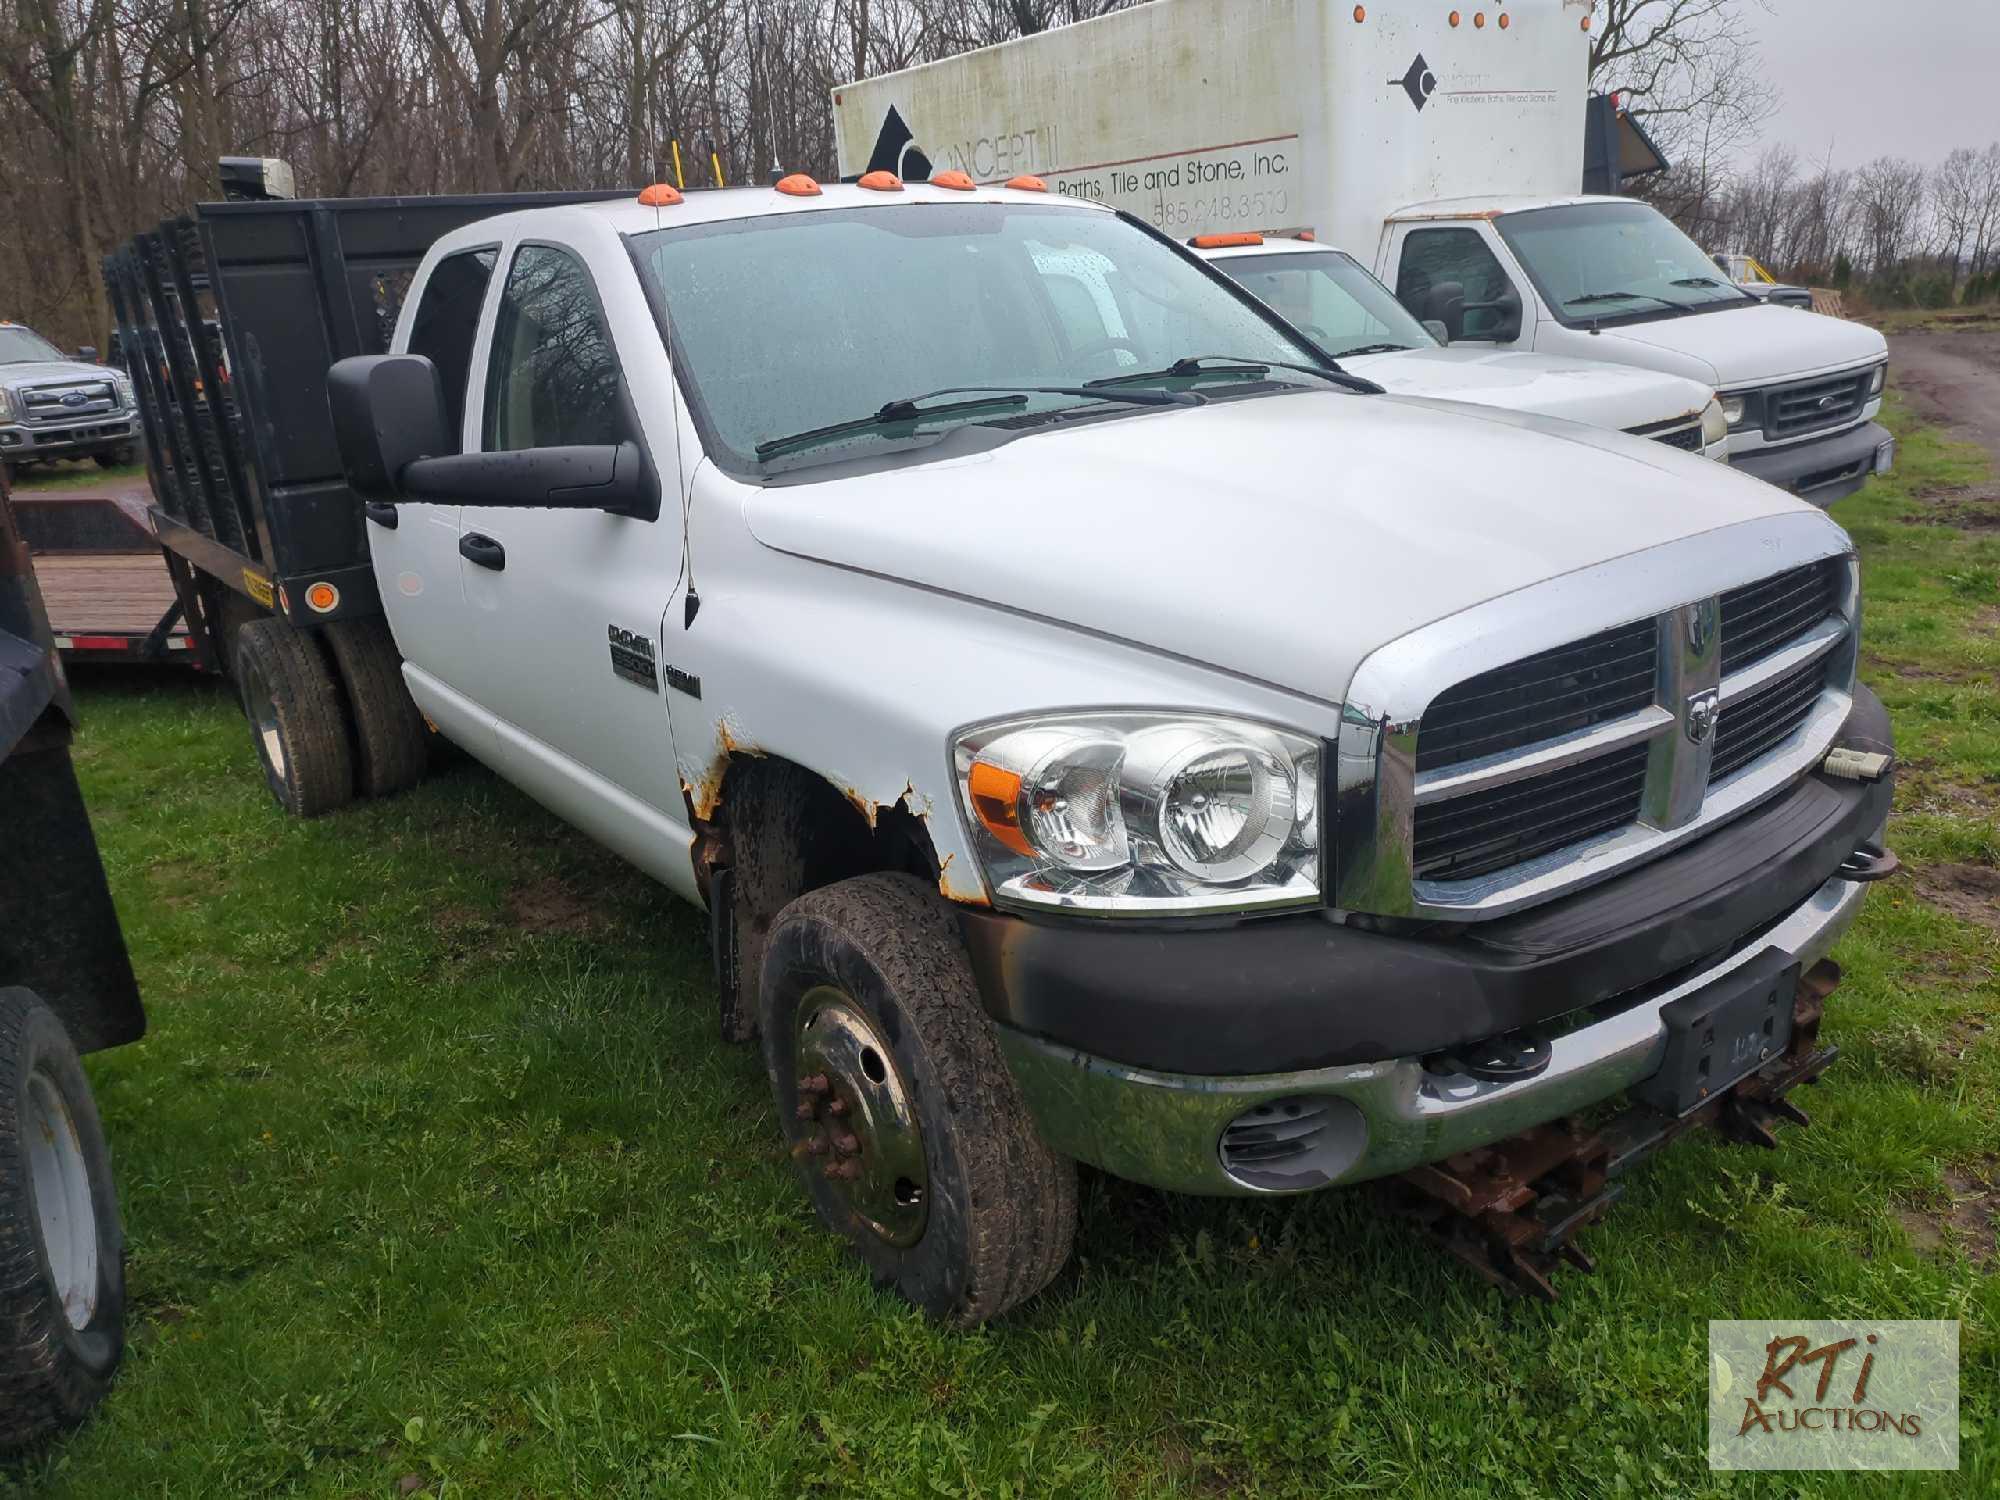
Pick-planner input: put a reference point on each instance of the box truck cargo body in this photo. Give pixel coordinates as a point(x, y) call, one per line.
point(1447, 155)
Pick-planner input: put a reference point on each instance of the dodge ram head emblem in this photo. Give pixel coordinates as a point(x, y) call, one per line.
point(1702, 709)
point(1701, 621)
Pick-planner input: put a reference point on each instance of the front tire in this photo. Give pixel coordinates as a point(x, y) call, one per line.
point(62, 1248)
point(116, 459)
point(908, 1131)
point(297, 719)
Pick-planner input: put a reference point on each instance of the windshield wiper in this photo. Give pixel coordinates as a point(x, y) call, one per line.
point(905, 411)
point(1375, 349)
point(1196, 365)
point(1591, 297)
point(1697, 281)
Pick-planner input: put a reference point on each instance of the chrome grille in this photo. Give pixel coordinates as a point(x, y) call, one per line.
point(1756, 724)
point(1487, 831)
point(1541, 697)
point(71, 401)
point(1760, 617)
point(1809, 405)
point(1592, 753)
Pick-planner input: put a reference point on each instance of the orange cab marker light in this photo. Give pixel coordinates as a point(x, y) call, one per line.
point(1027, 184)
point(996, 801)
point(1503, 20)
point(1224, 241)
point(659, 195)
point(1478, 20)
point(1360, 13)
point(798, 185)
point(958, 182)
point(1453, 18)
point(881, 182)
point(1309, 236)
point(1586, 23)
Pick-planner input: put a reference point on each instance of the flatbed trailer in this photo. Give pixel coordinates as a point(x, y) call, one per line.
point(108, 587)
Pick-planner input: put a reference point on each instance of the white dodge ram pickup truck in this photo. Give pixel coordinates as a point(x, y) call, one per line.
point(1154, 748)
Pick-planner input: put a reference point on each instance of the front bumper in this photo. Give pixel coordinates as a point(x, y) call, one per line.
point(1827, 469)
point(23, 443)
point(1167, 1129)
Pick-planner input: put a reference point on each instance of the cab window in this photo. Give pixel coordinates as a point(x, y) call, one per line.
point(1434, 257)
point(552, 379)
point(447, 319)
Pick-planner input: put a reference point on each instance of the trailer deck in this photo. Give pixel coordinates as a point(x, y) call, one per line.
point(103, 576)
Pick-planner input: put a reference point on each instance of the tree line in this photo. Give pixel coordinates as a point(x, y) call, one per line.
point(116, 111)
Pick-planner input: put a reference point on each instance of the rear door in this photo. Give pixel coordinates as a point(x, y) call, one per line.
point(564, 608)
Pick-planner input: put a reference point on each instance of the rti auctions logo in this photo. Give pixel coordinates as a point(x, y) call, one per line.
point(1784, 1355)
point(1833, 1395)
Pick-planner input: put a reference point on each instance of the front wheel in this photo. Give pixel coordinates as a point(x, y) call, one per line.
point(62, 1251)
point(118, 458)
point(907, 1129)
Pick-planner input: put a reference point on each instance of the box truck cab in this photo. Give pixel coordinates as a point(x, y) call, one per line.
point(1445, 147)
point(1330, 297)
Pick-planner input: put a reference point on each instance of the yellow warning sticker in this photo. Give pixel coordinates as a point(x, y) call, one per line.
point(258, 587)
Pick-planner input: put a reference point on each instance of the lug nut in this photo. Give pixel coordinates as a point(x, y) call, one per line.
point(837, 1107)
point(846, 1145)
point(816, 1145)
point(814, 1084)
point(843, 1171)
point(806, 1110)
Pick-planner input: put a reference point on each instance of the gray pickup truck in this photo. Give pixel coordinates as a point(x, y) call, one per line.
point(53, 407)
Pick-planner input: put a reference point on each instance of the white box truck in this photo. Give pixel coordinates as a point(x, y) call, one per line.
point(1444, 147)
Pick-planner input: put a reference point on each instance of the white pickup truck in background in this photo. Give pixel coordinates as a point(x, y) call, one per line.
point(1329, 296)
point(1446, 146)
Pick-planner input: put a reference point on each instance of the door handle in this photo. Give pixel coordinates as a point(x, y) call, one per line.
point(382, 514)
point(476, 547)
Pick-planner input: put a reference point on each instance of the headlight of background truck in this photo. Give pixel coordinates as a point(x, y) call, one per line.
point(1732, 409)
point(1143, 814)
point(1714, 423)
point(123, 386)
point(6, 405)
point(1880, 379)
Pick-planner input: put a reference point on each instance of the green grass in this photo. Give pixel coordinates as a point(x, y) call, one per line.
point(432, 1165)
point(84, 475)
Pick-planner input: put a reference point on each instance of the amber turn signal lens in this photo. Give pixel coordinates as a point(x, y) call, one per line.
point(996, 800)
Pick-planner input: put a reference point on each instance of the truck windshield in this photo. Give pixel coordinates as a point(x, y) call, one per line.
point(1597, 261)
point(1327, 295)
point(20, 346)
point(794, 322)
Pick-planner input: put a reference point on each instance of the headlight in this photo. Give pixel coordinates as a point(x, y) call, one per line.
point(1881, 378)
point(1142, 814)
point(1732, 410)
point(6, 405)
point(123, 387)
point(1715, 422)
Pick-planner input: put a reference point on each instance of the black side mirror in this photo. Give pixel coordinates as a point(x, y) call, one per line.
point(598, 476)
point(389, 425)
point(1445, 303)
point(1505, 325)
point(388, 412)
point(87, 353)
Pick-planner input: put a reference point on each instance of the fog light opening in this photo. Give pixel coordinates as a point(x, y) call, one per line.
point(1292, 1145)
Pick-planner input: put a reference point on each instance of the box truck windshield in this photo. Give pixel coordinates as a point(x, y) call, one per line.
point(1595, 262)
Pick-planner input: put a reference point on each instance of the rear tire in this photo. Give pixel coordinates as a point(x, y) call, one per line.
point(62, 1248)
point(297, 721)
point(392, 747)
point(913, 1141)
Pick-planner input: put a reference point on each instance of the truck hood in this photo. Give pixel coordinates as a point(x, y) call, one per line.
point(1580, 390)
point(35, 371)
point(1745, 345)
point(1282, 538)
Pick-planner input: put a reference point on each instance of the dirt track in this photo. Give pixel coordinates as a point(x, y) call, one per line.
point(1953, 378)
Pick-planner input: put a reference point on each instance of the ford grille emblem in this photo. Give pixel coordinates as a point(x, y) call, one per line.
point(75, 398)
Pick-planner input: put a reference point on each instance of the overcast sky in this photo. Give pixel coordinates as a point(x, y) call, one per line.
point(1882, 77)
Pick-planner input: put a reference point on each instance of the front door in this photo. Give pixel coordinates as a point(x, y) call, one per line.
point(563, 608)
